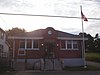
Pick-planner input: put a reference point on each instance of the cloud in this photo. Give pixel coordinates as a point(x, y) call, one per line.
point(14, 5)
point(91, 9)
point(93, 28)
point(71, 30)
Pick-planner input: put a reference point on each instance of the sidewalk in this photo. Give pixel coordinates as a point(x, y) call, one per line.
point(55, 73)
point(93, 64)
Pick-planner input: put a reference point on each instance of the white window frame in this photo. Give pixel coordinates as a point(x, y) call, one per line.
point(61, 46)
point(24, 44)
point(32, 43)
point(72, 43)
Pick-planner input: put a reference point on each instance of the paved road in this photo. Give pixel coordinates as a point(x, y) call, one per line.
point(55, 73)
point(93, 64)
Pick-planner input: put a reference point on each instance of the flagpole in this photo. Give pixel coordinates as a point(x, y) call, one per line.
point(83, 42)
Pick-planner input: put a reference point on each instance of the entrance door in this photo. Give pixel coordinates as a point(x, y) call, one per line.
point(50, 49)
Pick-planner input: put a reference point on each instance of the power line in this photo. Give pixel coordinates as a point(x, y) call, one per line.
point(3, 20)
point(47, 16)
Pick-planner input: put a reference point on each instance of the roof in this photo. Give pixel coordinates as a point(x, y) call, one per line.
point(40, 33)
point(35, 33)
point(65, 34)
point(2, 30)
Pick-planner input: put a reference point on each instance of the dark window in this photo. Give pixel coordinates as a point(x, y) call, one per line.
point(21, 52)
point(35, 43)
point(63, 44)
point(1, 35)
point(69, 44)
point(22, 43)
point(29, 43)
point(75, 44)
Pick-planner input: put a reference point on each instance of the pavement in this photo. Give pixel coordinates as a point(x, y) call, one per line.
point(37, 72)
point(54, 73)
point(93, 64)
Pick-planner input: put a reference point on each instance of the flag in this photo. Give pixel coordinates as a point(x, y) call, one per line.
point(83, 16)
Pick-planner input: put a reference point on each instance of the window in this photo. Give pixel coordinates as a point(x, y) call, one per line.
point(2, 35)
point(29, 43)
point(21, 52)
point(63, 44)
point(22, 43)
point(75, 44)
point(35, 43)
point(69, 44)
point(1, 50)
point(1, 46)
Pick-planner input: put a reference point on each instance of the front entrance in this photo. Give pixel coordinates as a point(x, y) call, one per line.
point(49, 49)
point(50, 60)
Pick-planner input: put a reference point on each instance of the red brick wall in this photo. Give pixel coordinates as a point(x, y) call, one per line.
point(32, 54)
point(69, 53)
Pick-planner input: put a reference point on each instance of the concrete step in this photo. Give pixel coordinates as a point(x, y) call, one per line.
point(53, 64)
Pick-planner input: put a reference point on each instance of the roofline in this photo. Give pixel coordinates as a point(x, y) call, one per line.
point(2, 30)
point(61, 38)
point(68, 38)
point(14, 37)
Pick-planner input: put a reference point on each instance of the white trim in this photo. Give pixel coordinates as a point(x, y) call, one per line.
point(72, 48)
point(13, 48)
point(28, 49)
point(25, 43)
point(72, 44)
point(65, 44)
point(32, 47)
point(32, 43)
point(68, 49)
point(67, 38)
point(14, 37)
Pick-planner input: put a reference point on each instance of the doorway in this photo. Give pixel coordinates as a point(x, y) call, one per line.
point(50, 49)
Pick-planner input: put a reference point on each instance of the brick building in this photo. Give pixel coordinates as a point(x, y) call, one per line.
point(42, 45)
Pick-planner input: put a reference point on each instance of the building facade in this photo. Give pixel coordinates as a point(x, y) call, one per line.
point(4, 47)
point(42, 45)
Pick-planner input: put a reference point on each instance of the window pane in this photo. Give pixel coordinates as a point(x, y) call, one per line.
point(35, 43)
point(22, 43)
point(1, 46)
point(75, 44)
point(21, 52)
point(63, 44)
point(69, 44)
point(29, 43)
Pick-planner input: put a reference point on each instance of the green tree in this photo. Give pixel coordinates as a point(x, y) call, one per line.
point(97, 42)
point(14, 31)
point(90, 43)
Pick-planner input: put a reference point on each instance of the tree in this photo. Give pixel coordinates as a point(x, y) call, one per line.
point(97, 42)
point(14, 31)
point(90, 43)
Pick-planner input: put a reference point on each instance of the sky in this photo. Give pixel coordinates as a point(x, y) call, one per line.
point(71, 8)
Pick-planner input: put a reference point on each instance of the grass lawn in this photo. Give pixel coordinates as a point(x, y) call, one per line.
point(93, 57)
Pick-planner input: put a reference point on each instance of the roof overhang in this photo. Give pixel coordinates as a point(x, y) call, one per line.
point(68, 38)
point(13, 37)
